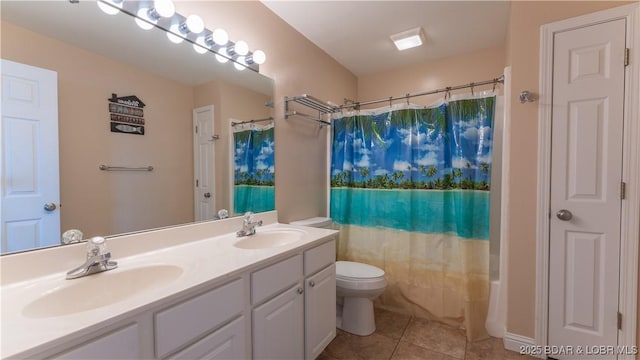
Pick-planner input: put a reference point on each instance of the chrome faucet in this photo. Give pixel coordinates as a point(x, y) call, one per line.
point(97, 259)
point(248, 225)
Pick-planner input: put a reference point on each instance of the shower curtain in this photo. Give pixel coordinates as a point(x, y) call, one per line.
point(253, 185)
point(410, 191)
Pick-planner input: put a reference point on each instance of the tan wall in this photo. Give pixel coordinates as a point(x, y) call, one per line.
point(480, 65)
point(524, 39)
point(230, 102)
point(99, 202)
point(298, 67)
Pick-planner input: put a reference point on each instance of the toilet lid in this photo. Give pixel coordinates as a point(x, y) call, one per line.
point(356, 270)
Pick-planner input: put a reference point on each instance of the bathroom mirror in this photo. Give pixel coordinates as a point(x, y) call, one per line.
point(99, 58)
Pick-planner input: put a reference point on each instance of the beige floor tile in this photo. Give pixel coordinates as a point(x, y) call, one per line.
point(409, 351)
point(491, 349)
point(391, 324)
point(348, 346)
point(436, 337)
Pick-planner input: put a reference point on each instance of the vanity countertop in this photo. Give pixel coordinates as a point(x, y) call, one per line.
point(206, 255)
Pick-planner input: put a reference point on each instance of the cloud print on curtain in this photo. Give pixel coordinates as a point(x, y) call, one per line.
point(253, 168)
point(410, 189)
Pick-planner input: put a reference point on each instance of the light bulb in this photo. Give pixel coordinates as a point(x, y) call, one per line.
point(259, 57)
point(112, 9)
point(240, 63)
point(200, 47)
point(241, 48)
point(221, 56)
point(164, 8)
point(220, 37)
point(171, 34)
point(195, 24)
point(142, 16)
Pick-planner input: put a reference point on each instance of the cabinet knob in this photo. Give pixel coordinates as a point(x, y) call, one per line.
point(300, 290)
point(312, 283)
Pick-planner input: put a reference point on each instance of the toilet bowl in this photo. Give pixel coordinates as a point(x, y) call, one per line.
point(357, 285)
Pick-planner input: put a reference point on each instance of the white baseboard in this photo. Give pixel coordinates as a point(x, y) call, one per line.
point(515, 342)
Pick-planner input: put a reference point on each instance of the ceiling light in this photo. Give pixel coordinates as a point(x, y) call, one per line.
point(220, 37)
point(240, 48)
point(408, 39)
point(258, 57)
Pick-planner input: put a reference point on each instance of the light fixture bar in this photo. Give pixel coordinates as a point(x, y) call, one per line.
point(221, 51)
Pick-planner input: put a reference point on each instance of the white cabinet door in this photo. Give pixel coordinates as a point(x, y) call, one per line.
point(278, 326)
point(320, 311)
point(225, 343)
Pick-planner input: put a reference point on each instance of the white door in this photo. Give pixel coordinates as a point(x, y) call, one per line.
point(204, 161)
point(30, 176)
point(586, 173)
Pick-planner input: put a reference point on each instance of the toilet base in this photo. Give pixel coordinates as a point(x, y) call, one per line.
point(357, 316)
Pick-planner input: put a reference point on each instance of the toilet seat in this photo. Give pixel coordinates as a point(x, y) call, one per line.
point(354, 275)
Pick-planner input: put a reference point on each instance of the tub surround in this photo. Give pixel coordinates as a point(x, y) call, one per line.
point(203, 251)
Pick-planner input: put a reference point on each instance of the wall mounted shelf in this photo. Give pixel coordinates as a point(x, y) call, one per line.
point(309, 101)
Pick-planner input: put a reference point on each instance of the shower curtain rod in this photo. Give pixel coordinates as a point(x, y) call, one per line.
point(356, 104)
point(251, 121)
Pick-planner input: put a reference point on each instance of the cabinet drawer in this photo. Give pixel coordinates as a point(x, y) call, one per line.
point(120, 344)
point(275, 278)
point(319, 257)
point(227, 342)
point(180, 324)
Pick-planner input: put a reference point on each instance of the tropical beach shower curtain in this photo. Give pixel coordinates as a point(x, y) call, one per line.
point(253, 188)
point(410, 190)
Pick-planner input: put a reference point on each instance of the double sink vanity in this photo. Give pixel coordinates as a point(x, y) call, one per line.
point(196, 291)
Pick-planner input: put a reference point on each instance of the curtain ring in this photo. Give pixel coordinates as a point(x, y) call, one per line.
point(407, 98)
point(472, 94)
point(494, 84)
point(390, 101)
point(447, 95)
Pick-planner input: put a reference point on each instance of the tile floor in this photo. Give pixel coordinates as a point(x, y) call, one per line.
point(403, 337)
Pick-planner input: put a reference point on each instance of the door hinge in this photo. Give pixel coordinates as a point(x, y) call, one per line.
point(619, 320)
point(623, 190)
point(196, 129)
point(197, 182)
point(627, 55)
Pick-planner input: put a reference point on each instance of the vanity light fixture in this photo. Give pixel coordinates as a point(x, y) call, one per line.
point(408, 39)
point(110, 7)
point(161, 14)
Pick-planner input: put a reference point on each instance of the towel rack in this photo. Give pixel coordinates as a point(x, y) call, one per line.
point(125, 168)
point(323, 107)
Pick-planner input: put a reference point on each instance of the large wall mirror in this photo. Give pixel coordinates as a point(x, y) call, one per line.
point(94, 56)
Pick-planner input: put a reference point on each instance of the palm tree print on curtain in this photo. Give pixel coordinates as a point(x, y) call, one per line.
point(410, 190)
point(253, 169)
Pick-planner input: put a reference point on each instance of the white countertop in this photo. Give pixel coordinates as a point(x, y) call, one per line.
point(204, 252)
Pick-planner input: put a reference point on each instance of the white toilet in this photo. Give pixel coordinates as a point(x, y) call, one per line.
point(357, 285)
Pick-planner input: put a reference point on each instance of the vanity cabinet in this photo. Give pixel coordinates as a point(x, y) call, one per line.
point(282, 309)
point(299, 321)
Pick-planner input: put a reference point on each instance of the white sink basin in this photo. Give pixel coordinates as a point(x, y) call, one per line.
point(101, 289)
point(269, 238)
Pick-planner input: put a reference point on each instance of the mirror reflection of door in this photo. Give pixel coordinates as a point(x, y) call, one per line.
point(30, 196)
point(204, 159)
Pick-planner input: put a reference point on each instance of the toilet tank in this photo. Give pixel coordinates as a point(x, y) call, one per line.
point(317, 222)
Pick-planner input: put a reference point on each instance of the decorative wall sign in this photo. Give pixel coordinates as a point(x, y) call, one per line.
point(126, 114)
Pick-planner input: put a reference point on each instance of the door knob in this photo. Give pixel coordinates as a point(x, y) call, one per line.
point(564, 215)
point(207, 195)
point(312, 283)
point(49, 206)
point(300, 290)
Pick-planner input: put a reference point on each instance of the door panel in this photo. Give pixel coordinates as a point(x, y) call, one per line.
point(30, 173)
point(586, 171)
point(204, 159)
